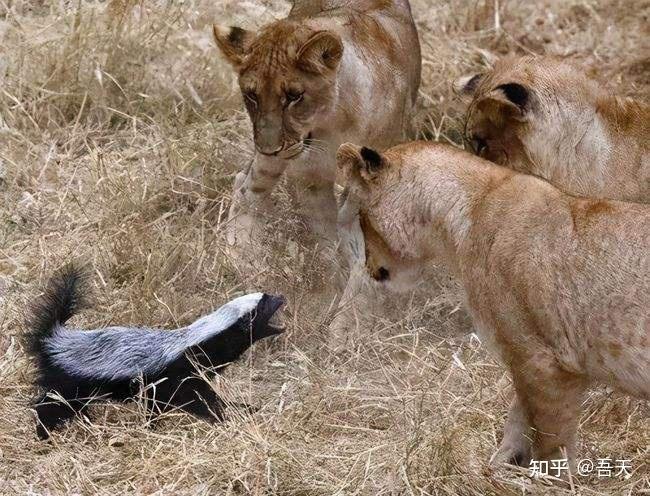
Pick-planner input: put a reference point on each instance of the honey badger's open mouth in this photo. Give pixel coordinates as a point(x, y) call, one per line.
point(276, 302)
point(276, 324)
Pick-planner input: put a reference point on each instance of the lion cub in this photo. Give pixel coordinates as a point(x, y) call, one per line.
point(558, 286)
point(307, 82)
point(543, 116)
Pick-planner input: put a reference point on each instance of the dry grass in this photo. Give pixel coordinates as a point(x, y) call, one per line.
point(119, 133)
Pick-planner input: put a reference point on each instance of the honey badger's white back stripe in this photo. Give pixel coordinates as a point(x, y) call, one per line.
point(116, 353)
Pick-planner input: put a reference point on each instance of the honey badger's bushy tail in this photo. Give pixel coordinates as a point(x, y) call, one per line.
point(62, 298)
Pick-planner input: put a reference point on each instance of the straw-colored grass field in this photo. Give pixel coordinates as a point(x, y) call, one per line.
point(120, 130)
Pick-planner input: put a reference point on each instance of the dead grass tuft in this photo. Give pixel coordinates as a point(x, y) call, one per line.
point(120, 131)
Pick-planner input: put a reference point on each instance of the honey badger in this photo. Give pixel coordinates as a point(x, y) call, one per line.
point(114, 362)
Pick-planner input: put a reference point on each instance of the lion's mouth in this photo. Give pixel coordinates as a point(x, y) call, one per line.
point(298, 147)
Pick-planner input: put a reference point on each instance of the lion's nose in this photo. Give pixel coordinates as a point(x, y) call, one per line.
point(268, 134)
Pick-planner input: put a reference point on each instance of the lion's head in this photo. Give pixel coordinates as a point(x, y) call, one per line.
point(524, 107)
point(392, 216)
point(287, 75)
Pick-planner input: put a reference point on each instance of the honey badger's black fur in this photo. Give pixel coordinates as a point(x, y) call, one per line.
point(117, 363)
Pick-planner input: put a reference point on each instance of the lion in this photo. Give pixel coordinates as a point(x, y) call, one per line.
point(309, 81)
point(544, 116)
point(557, 285)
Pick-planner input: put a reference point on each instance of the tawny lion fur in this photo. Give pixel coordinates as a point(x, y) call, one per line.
point(333, 70)
point(559, 286)
point(544, 116)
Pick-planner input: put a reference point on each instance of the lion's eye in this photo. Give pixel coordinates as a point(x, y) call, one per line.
point(294, 96)
point(251, 96)
point(479, 144)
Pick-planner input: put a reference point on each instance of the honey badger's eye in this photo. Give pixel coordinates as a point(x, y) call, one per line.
point(294, 96)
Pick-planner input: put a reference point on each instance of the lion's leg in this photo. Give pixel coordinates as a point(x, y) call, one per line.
point(359, 303)
point(551, 399)
point(318, 206)
point(250, 201)
point(515, 448)
point(361, 296)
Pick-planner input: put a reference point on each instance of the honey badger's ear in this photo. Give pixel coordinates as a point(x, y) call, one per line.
point(466, 86)
point(321, 53)
point(514, 97)
point(233, 42)
point(366, 162)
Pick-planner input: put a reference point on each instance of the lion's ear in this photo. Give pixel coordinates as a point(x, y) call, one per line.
point(321, 53)
point(233, 42)
point(362, 161)
point(514, 97)
point(466, 85)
